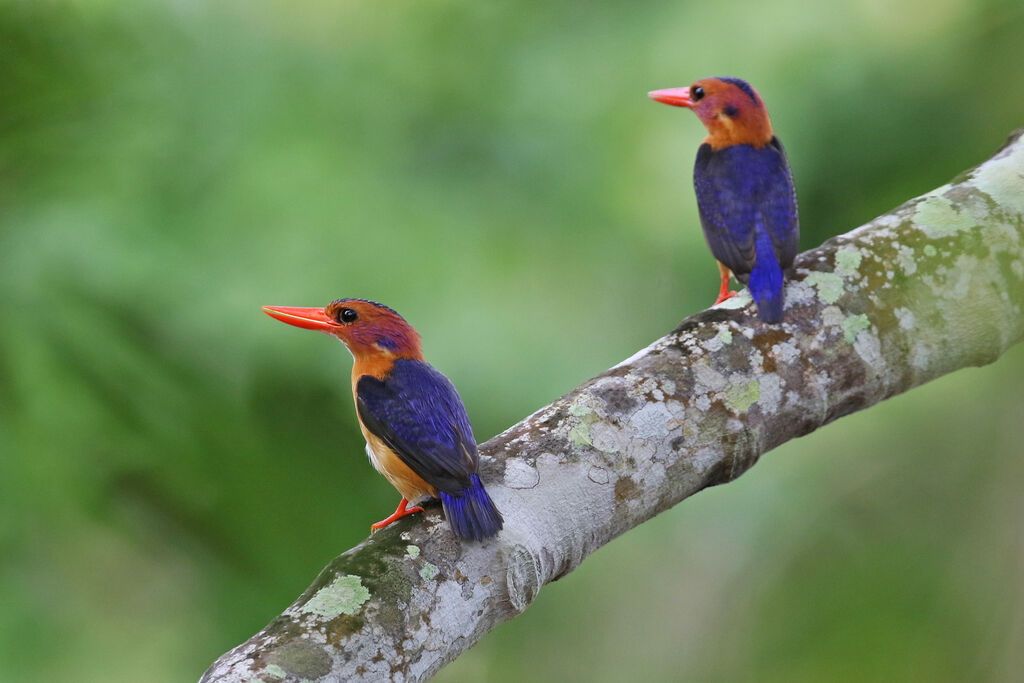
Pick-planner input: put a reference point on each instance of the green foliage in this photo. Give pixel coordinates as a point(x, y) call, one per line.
point(175, 467)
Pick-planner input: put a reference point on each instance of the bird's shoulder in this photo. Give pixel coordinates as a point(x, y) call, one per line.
point(741, 160)
point(407, 374)
point(414, 384)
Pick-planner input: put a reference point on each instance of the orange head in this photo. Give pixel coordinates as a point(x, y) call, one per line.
point(370, 330)
point(729, 108)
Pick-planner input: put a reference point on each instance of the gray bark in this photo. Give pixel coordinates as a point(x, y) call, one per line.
point(935, 285)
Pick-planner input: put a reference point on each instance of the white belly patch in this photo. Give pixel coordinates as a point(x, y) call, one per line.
point(373, 458)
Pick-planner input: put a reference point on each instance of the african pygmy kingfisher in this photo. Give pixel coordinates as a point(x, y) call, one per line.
point(417, 432)
point(744, 187)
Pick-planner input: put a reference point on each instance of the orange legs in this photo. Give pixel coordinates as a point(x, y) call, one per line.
point(402, 511)
point(724, 292)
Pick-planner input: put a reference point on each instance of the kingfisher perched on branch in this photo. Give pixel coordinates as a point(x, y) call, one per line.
point(744, 187)
point(417, 432)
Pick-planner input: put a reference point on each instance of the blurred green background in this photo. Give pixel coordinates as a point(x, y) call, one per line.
point(175, 467)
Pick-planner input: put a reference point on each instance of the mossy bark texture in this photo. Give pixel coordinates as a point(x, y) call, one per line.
point(935, 285)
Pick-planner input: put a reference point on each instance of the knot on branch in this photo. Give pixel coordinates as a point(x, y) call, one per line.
point(523, 578)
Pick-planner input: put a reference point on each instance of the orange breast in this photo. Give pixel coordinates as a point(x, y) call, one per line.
point(412, 486)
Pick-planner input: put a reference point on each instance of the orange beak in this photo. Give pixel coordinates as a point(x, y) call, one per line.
point(306, 318)
point(677, 97)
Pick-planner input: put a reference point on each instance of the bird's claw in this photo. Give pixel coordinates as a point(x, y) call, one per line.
point(402, 511)
point(724, 296)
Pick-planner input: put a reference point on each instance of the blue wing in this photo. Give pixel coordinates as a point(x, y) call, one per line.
point(417, 412)
point(740, 188)
point(781, 216)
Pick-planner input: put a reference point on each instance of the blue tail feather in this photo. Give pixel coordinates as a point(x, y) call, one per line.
point(471, 512)
point(766, 280)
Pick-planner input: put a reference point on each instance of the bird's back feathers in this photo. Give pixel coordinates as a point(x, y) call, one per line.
point(745, 193)
point(736, 188)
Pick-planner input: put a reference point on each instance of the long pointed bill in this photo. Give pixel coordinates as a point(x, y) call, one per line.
point(306, 318)
point(677, 97)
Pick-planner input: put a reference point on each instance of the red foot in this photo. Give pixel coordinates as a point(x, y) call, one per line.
point(723, 296)
point(724, 292)
point(402, 511)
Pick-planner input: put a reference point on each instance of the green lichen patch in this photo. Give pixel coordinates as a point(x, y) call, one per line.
point(579, 409)
point(853, 325)
point(428, 572)
point(848, 261)
point(345, 595)
point(930, 250)
point(939, 217)
point(275, 671)
point(829, 285)
point(1002, 178)
point(412, 551)
point(579, 435)
point(726, 336)
point(740, 397)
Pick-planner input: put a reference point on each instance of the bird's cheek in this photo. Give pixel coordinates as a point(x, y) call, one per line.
point(340, 335)
point(707, 115)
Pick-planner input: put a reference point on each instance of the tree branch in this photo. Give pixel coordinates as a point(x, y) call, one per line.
point(933, 286)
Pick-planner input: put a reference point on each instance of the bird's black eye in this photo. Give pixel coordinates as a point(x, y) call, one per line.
point(347, 315)
point(696, 93)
